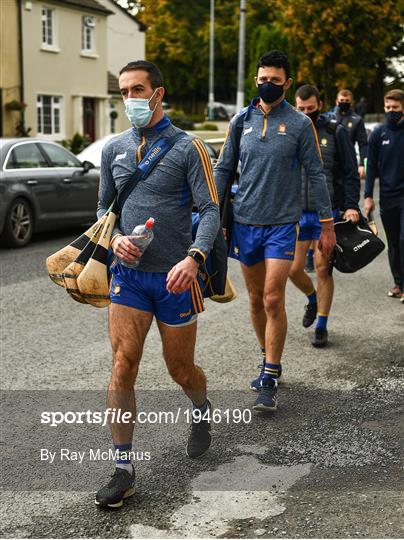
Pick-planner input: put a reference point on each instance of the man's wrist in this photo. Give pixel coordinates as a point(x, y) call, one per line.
point(117, 235)
point(197, 255)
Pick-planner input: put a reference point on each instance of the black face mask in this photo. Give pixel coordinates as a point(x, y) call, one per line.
point(393, 117)
point(344, 107)
point(314, 115)
point(270, 92)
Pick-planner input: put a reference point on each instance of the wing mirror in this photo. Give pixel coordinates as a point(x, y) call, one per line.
point(87, 166)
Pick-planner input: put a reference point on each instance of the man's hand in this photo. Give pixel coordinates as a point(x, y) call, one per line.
point(369, 205)
point(125, 250)
point(351, 214)
point(362, 172)
point(181, 276)
point(327, 239)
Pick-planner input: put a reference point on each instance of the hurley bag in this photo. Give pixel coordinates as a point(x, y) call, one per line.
point(356, 245)
point(214, 272)
point(82, 267)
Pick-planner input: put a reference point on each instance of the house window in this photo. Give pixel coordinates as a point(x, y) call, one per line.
point(87, 34)
point(48, 115)
point(48, 27)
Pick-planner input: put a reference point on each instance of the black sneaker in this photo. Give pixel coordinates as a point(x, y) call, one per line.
point(320, 337)
point(120, 487)
point(310, 315)
point(267, 401)
point(200, 438)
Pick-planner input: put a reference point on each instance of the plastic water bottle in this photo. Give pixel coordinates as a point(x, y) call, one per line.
point(141, 236)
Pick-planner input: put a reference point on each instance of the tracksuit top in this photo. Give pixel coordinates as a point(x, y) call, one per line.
point(386, 161)
point(340, 167)
point(356, 129)
point(183, 177)
point(273, 150)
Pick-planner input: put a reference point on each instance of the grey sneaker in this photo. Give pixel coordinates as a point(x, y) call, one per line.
point(120, 487)
point(267, 401)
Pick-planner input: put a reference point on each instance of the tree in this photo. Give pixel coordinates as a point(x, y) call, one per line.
point(342, 43)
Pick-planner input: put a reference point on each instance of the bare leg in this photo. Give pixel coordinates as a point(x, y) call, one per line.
point(254, 277)
point(128, 328)
point(325, 282)
point(297, 274)
point(178, 351)
point(277, 271)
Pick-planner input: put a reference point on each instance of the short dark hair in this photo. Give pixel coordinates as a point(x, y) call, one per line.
point(307, 91)
point(276, 59)
point(396, 95)
point(345, 93)
point(155, 76)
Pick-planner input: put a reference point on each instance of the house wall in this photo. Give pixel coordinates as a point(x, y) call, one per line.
point(64, 70)
point(125, 41)
point(9, 65)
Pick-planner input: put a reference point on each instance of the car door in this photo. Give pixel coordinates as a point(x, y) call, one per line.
point(80, 185)
point(28, 169)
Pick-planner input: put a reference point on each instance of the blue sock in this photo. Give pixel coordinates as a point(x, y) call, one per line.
point(272, 372)
point(312, 298)
point(124, 458)
point(322, 321)
point(310, 253)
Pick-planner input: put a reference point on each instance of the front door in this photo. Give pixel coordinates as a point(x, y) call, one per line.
point(89, 118)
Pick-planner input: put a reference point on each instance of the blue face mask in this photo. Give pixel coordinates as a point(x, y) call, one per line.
point(138, 111)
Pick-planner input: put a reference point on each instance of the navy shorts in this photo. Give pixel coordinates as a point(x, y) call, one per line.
point(147, 291)
point(310, 225)
point(251, 244)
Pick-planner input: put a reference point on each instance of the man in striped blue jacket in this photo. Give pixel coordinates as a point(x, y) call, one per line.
point(164, 285)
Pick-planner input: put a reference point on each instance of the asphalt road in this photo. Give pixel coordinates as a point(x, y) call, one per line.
point(327, 464)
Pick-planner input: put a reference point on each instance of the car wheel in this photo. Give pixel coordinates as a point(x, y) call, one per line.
point(19, 224)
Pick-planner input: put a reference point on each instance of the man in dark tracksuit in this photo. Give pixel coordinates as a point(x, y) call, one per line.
point(386, 161)
point(346, 115)
point(344, 188)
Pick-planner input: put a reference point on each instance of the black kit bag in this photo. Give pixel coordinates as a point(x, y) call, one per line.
point(213, 272)
point(356, 246)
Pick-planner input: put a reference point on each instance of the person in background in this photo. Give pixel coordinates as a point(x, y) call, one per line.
point(346, 115)
point(386, 162)
point(343, 184)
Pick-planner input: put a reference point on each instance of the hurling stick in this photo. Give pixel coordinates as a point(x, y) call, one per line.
point(229, 294)
point(93, 280)
point(56, 263)
point(73, 270)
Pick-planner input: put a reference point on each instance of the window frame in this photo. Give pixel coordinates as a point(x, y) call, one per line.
point(56, 116)
point(87, 32)
point(45, 45)
point(22, 143)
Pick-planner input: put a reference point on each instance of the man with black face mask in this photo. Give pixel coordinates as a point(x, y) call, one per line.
point(275, 144)
point(344, 187)
point(354, 124)
point(386, 161)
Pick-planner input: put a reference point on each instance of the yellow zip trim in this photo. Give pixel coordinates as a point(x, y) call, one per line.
point(139, 149)
point(264, 129)
point(207, 167)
